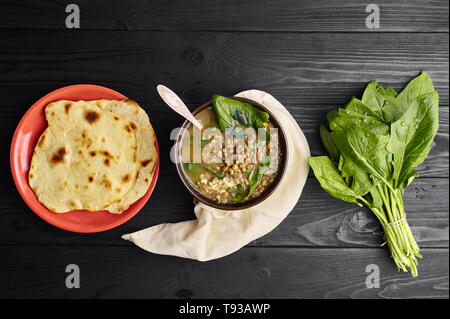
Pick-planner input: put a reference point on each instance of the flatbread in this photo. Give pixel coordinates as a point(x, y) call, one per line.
point(85, 159)
point(147, 155)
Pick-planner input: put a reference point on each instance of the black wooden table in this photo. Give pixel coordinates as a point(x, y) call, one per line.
point(311, 55)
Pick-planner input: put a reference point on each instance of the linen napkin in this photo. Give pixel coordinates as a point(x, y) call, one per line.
point(217, 233)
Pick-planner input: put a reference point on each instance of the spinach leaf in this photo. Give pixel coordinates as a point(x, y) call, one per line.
point(382, 101)
point(365, 149)
point(254, 179)
point(370, 105)
point(374, 198)
point(327, 141)
point(217, 174)
point(268, 135)
point(412, 134)
point(419, 145)
point(229, 110)
point(362, 183)
point(189, 167)
point(332, 114)
point(416, 87)
point(239, 191)
point(346, 117)
point(402, 131)
point(329, 178)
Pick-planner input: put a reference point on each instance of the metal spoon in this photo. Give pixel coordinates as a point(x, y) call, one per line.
point(177, 104)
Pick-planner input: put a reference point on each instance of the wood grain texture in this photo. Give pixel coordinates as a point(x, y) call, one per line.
point(310, 75)
point(234, 15)
point(318, 220)
point(117, 272)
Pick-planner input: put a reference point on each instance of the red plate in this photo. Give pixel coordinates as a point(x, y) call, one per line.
point(27, 133)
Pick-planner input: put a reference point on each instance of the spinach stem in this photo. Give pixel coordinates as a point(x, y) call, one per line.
point(399, 238)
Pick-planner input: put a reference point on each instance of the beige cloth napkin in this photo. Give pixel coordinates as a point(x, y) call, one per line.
point(217, 233)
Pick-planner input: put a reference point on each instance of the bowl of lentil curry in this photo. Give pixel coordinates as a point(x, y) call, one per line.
point(237, 159)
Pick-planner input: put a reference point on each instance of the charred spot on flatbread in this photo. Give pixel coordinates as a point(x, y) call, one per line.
point(106, 182)
point(146, 162)
point(106, 153)
point(133, 126)
point(42, 139)
point(67, 107)
point(58, 155)
point(87, 142)
point(91, 116)
point(126, 178)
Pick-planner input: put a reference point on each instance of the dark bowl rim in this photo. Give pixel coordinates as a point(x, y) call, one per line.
point(247, 204)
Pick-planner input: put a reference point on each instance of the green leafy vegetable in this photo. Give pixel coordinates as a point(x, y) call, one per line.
point(327, 141)
point(239, 191)
point(229, 111)
point(189, 167)
point(331, 180)
point(268, 136)
point(255, 175)
point(254, 179)
point(374, 145)
point(217, 174)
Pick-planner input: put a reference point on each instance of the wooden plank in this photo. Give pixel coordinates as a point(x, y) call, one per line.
point(309, 74)
point(115, 272)
point(318, 220)
point(234, 15)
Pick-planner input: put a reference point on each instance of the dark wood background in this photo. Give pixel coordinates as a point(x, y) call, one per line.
point(311, 55)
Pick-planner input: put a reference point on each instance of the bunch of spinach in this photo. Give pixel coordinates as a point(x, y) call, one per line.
point(373, 146)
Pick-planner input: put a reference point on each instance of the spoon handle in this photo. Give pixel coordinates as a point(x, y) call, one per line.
point(177, 104)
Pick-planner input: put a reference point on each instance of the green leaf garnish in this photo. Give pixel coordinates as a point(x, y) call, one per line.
point(229, 111)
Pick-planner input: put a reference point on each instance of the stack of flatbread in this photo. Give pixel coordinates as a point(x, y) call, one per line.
point(94, 155)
